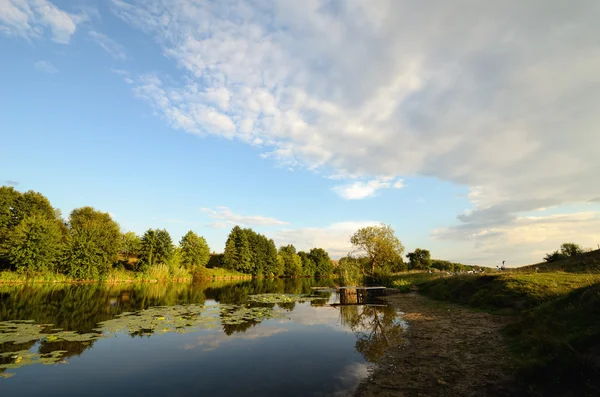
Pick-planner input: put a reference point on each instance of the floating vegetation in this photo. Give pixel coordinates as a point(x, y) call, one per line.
point(284, 298)
point(23, 358)
point(158, 320)
point(18, 332)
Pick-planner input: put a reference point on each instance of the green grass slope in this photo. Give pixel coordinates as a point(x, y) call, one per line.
point(584, 263)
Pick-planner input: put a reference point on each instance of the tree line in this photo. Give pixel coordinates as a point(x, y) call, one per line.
point(36, 240)
point(377, 252)
point(253, 253)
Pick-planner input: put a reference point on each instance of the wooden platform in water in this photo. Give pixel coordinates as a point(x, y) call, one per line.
point(346, 288)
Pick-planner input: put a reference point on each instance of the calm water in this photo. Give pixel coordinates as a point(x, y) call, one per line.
point(255, 338)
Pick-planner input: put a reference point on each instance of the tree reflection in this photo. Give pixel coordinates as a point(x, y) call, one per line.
point(376, 327)
point(50, 323)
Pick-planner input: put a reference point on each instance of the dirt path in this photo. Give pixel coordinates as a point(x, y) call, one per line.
point(449, 351)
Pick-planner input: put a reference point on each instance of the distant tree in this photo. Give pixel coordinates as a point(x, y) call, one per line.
point(194, 250)
point(215, 260)
point(238, 255)
point(94, 244)
point(308, 265)
point(379, 244)
point(131, 244)
point(157, 248)
point(571, 249)
point(36, 245)
point(419, 260)
point(292, 264)
point(567, 250)
point(554, 256)
point(272, 266)
point(323, 264)
point(31, 203)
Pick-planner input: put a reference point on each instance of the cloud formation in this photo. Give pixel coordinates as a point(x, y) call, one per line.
point(526, 239)
point(335, 238)
point(115, 49)
point(360, 190)
point(45, 66)
point(501, 97)
point(10, 182)
point(225, 217)
point(31, 18)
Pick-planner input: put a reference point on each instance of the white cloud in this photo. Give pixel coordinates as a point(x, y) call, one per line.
point(335, 238)
point(526, 239)
point(495, 96)
point(115, 49)
point(31, 18)
point(226, 218)
point(45, 66)
point(215, 340)
point(360, 190)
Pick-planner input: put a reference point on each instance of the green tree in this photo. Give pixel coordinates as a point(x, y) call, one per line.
point(31, 203)
point(292, 264)
point(419, 260)
point(157, 248)
point(131, 244)
point(379, 244)
point(238, 255)
point(308, 265)
point(36, 245)
point(323, 263)
point(273, 267)
point(94, 245)
point(194, 250)
point(571, 249)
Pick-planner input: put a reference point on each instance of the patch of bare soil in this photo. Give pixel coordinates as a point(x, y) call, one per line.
point(449, 350)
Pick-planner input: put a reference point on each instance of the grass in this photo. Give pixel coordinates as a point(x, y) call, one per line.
point(406, 280)
point(510, 291)
point(588, 262)
point(217, 273)
point(154, 274)
point(556, 336)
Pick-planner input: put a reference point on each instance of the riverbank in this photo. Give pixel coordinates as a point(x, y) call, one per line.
point(449, 350)
point(553, 336)
point(116, 276)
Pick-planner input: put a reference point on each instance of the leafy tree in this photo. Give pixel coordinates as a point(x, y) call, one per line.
point(379, 244)
point(419, 260)
point(272, 265)
point(292, 264)
point(237, 255)
point(131, 244)
point(31, 203)
point(323, 264)
point(36, 245)
point(571, 249)
point(194, 250)
point(567, 250)
point(94, 245)
point(308, 265)
point(157, 248)
point(8, 197)
point(554, 256)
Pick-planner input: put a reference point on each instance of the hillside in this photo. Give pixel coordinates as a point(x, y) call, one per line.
point(584, 263)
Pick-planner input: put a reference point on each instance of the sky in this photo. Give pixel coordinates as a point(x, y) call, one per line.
point(472, 128)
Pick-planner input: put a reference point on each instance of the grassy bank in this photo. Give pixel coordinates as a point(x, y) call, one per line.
point(555, 338)
point(406, 280)
point(588, 262)
point(154, 274)
point(506, 292)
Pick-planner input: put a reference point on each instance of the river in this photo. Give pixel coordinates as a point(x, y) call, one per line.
point(261, 337)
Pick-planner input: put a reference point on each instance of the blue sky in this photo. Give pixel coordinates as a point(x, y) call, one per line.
point(474, 136)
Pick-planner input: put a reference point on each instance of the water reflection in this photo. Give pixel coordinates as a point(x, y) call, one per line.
point(52, 324)
point(376, 327)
